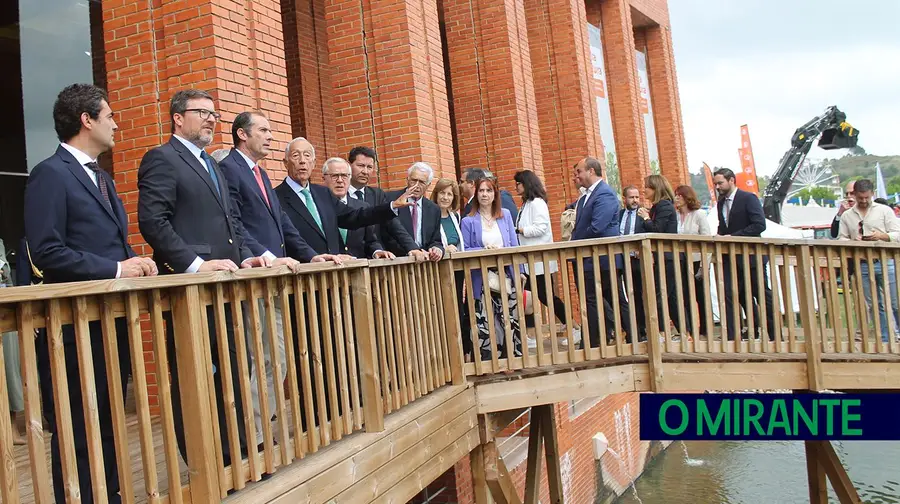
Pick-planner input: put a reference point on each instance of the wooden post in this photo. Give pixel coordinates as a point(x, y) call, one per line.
point(840, 481)
point(533, 467)
point(364, 327)
point(192, 364)
point(815, 474)
point(808, 319)
point(653, 346)
point(497, 477)
point(551, 449)
point(479, 484)
point(451, 318)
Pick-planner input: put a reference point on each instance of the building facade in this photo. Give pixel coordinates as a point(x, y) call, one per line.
point(496, 84)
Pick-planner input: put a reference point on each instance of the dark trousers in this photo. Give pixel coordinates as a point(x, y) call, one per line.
point(559, 307)
point(731, 308)
point(591, 301)
point(76, 411)
point(637, 300)
point(465, 325)
point(178, 409)
point(699, 301)
point(669, 296)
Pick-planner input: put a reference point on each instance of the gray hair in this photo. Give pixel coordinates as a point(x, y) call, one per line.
point(422, 166)
point(287, 149)
point(333, 160)
point(220, 154)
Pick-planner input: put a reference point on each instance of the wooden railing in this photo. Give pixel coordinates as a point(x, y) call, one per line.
point(370, 337)
point(815, 287)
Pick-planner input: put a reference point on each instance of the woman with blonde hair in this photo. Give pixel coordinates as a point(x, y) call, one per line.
point(692, 220)
point(662, 218)
point(446, 196)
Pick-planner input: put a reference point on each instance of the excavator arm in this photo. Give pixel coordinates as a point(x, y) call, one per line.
point(835, 133)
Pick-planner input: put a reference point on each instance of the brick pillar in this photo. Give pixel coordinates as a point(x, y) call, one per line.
point(230, 48)
point(493, 92)
point(309, 75)
point(567, 110)
point(624, 91)
point(389, 88)
point(666, 105)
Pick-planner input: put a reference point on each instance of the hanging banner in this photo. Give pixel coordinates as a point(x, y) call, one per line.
point(746, 179)
point(707, 172)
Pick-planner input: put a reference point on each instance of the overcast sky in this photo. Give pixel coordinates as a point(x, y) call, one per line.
point(775, 64)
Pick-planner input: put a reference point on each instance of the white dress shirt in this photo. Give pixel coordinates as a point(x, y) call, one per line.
point(84, 159)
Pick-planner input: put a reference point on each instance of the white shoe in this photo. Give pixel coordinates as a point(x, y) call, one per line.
point(532, 343)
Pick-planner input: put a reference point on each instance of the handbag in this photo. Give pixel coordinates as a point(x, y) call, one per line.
point(494, 286)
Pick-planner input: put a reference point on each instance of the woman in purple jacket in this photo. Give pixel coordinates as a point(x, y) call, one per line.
point(490, 226)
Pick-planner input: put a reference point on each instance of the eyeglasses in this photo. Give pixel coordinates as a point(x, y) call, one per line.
point(204, 113)
point(339, 176)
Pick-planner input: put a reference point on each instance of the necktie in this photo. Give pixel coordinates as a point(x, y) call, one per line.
point(628, 221)
point(727, 210)
point(343, 234)
point(415, 220)
point(358, 194)
point(311, 206)
point(101, 183)
point(212, 172)
point(262, 187)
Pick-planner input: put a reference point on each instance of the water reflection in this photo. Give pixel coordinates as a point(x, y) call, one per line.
point(754, 472)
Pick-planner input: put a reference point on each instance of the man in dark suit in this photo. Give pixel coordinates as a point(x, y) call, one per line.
point(186, 215)
point(317, 214)
point(741, 214)
point(360, 243)
point(362, 172)
point(596, 216)
point(270, 233)
point(76, 229)
point(422, 220)
point(631, 224)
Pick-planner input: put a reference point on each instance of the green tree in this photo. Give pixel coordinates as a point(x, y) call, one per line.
point(817, 193)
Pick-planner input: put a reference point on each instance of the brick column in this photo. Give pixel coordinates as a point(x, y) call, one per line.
point(493, 91)
point(232, 49)
point(567, 110)
point(389, 88)
point(624, 91)
point(666, 105)
point(309, 75)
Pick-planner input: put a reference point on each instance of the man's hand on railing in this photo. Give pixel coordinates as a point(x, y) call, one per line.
point(219, 265)
point(418, 255)
point(450, 248)
point(138, 267)
point(290, 262)
point(336, 259)
point(257, 262)
point(435, 254)
point(876, 236)
point(384, 254)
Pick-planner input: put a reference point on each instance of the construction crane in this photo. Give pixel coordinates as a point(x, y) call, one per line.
point(833, 132)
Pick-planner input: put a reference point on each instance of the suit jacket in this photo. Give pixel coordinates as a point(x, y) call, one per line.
point(333, 214)
point(473, 233)
point(431, 225)
point(638, 223)
point(268, 227)
point(361, 242)
point(663, 218)
point(392, 233)
point(180, 214)
point(746, 216)
point(72, 233)
point(597, 217)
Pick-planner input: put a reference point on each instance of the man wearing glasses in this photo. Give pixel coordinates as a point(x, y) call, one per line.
point(187, 217)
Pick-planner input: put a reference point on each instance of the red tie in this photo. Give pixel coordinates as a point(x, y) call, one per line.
point(262, 187)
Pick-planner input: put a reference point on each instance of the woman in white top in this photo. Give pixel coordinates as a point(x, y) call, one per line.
point(692, 220)
point(533, 228)
point(446, 196)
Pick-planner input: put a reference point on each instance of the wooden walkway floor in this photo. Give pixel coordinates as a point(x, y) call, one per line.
point(23, 469)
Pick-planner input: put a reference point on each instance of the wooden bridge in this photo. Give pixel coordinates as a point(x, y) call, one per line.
point(393, 402)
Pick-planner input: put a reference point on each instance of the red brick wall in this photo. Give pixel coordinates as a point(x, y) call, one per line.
point(666, 105)
point(584, 479)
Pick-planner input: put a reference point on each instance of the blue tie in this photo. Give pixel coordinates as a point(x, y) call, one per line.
point(211, 170)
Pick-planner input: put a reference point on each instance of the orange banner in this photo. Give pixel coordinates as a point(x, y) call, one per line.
point(746, 179)
point(709, 184)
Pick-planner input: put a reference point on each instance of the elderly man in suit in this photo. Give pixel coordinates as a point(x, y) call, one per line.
point(270, 233)
point(77, 229)
point(422, 220)
point(359, 243)
point(596, 216)
point(187, 216)
point(362, 161)
point(741, 214)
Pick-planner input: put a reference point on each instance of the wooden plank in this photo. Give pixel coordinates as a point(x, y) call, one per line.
point(278, 374)
point(452, 333)
point(840, 481)
point(656, 368)
point(552, 451)
point(314, 354)
point(808, 319)
point(240, 346)
point(497, 476)
point(40, 475)
point(330, 384)
point(815, 475)
point(364, 326)
point(534, 464)
point(479, 483)
point(259, 366)
point(291, 371)
point(300, 295)
point(191, 364)
point(350, 341)
point(9, 484)
point(91, 410)
point(62, 403)
point(340, 348)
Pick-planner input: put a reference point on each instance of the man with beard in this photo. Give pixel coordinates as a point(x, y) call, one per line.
point(630, 224)
point(741, 214)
